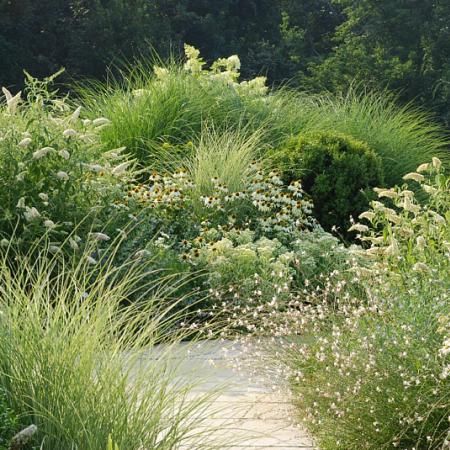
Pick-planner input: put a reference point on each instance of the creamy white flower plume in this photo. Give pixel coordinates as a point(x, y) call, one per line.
point(25, 142)
point(64, 154)
point(120, 169)
point(70, 132)
point(49, 224)
point(414, 176)
point(437, 163)
point(31, 213)
point(359, 227)
point(99, 236)
point(38, 154)
point(11, 101)
point(423, 167)
point(367, 215)
point(75, 115)
point(101, 121)
point(62, 175)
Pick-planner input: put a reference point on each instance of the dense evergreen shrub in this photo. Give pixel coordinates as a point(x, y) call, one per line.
point(336, 170)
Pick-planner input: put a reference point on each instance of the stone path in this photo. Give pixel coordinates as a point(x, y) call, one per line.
point(245, 415)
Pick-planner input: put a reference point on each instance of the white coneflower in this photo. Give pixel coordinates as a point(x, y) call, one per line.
point(99, 236)
point(414, 176)
point(31, 214)
point(70, 132)
point(25, 142)
point(49, 224)
point(101, 121)
point(11, 101)
point(359, 227)
point(423, 167)
point(62, 175)
point(437, 163)
point(120, 169)
point(38, 154)
point(64, 154)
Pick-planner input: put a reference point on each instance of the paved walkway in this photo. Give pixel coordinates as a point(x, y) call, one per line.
point(245, 415)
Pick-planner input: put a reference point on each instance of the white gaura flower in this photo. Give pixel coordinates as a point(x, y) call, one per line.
point(99, 236)
point(101, 121)
point(62, 175)
point(359, 227)
point(31, 214)
point(120, 169)
point(64, 154)
point(11, 101)
point(25, 142)
point(414, 176)
point(437, 163)
point(38, 154)
point(423, 168)
point(70, 132)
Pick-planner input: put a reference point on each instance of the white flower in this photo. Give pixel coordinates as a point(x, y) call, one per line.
point(421, 242)
point(436, 163)
point(21, 203)
point(64, 154)
point(414, 176)
point(70, 132)
point(120, 169)
point(160, 72)
point(75, 115)
point(49, 224)
point(43, 197)
point(11, 101)
point(429, 189)
point(73, 244)
point(86, 122)
point(101, 121)
point(420, 267)
point(25, 142)
point(423, 168)
point(234, 63)
point(62, 175)
point(367, 215)
point(359, 227)
point(389, 193)
point(38, 154)
point(31, 214)
point(100, 236)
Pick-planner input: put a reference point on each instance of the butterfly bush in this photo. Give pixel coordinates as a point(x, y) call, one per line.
point(56, 182)
point(366, 352)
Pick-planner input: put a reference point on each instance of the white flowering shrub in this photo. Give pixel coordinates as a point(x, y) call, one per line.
point(371, 369)
point(55, 182)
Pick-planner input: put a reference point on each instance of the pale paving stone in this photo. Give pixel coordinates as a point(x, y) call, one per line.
point(245, 415)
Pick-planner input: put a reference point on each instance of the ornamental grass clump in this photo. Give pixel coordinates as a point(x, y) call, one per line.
point(76, 359)
point(367, 355)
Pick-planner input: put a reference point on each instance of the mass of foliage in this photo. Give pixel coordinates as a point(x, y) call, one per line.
point(179, 201)
point(325, 44)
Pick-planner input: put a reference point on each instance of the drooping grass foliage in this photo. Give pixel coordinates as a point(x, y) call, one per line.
point(150, 105)
point(79, 365)
point(402, 136)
